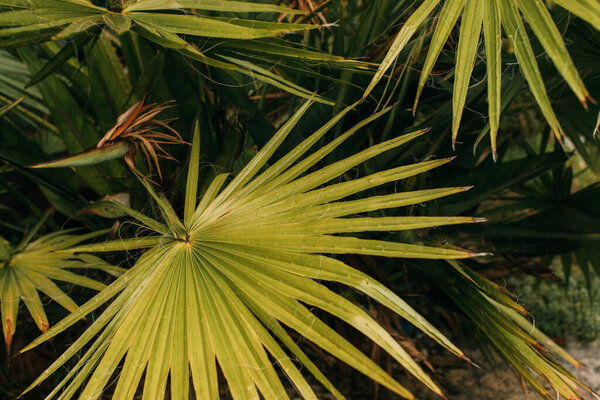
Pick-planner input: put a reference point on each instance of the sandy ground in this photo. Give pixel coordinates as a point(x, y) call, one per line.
point(589, 355)
point(461, 382)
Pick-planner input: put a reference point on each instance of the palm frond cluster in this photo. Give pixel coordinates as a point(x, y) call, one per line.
point(222, 287)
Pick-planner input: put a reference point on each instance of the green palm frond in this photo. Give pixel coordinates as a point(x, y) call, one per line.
point(223, 285)
point(492, 17)
point(508, 330)
point(30, 267)
point(171, 24)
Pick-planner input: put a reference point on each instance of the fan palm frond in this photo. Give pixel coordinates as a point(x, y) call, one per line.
point(221, 287)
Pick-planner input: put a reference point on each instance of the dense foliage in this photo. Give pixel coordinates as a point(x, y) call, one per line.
point(249, 188)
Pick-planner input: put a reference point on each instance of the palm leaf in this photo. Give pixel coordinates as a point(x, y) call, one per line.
point(32, 266)
point(222, 287)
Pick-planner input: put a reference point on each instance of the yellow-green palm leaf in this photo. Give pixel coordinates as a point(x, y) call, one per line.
point(221, 287)
point(31, 267)
point(492, 17)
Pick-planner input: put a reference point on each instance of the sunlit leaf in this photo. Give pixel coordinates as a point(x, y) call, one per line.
point(207, 292)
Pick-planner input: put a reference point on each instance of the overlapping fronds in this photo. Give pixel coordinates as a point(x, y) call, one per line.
point(163, 22)
point(32, 266)
point(494, 17)
point(560, 220)
point(221, 287)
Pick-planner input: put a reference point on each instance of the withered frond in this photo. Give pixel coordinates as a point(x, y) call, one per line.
point(139, 126)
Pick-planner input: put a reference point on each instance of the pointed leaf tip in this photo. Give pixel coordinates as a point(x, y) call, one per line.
point(482, 254)
point(584, 103)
